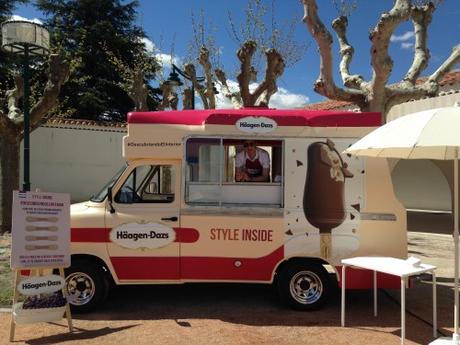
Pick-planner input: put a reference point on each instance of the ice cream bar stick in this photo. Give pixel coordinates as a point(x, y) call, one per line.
point(41, 219)
point(41, 228)
point(41, 238)
point(47, 247)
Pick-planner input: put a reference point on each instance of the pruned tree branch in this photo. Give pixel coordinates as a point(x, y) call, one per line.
point(380, 38)
point(58, 74)
point(235, 97)
point(190, 70)
point(187, 101)
point(421, 18)
point(325, 84)
point(346, 51)
point(204, 61)
point(452, 60)
point(169, 99)
point(263, 92)
point(9, 129)
point(402, 92)
point(275, 68)
point(13, 96)
point(138, 91)
point(377, 95)
point(245, 54)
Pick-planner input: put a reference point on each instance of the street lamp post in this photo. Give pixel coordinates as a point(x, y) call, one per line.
point(174, 80)
point(27, 39)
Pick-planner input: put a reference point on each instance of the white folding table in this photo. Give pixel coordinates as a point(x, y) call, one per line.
point(396, 267)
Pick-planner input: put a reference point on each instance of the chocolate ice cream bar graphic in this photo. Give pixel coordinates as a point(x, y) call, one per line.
point(41, 219)
point(44, 247)
point(41, 228)
point(41, 238)
point(324, 191)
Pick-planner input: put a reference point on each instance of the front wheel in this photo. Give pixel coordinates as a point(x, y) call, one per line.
point(304, 286)
point(86, 286)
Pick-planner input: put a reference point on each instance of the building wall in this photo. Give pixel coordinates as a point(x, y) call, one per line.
point(78, 160)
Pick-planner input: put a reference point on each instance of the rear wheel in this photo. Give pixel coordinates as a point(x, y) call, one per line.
point(86, 286)
point(304, 286)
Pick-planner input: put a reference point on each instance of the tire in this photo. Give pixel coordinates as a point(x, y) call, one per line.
point(86, 286)
point(304, 286)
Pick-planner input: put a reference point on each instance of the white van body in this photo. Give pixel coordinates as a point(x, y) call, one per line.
point(175, 213)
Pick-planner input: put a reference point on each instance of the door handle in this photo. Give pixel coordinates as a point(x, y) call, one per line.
point(170, 219)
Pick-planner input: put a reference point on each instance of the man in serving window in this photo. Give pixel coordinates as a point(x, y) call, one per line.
point(252, 164)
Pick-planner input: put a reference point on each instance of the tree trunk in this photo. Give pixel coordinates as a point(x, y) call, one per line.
point(9, 156)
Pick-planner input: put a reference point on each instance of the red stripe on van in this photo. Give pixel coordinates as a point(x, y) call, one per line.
point(212, 268)
point(197, 268)
point(183, 235)
point(146, 268)
point(89, 235)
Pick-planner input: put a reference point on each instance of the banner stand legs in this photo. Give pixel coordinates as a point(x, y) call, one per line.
point(38, 272)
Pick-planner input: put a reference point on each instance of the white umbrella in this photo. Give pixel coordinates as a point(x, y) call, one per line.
point(430, 134)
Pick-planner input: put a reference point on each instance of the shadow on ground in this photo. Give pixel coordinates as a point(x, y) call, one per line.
point(78, 334)
point(258, 305)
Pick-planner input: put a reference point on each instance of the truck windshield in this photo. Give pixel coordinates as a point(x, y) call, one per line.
point(100, 196)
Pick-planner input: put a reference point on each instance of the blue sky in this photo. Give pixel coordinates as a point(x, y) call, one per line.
point(168, 24)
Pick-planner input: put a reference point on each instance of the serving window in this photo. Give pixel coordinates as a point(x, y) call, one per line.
point(213, 176)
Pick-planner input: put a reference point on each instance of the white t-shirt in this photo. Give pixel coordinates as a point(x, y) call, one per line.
point(262, 155)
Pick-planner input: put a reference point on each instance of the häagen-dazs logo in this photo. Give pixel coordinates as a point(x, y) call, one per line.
point(252, 124)
point(142, 235)
point(40, 285)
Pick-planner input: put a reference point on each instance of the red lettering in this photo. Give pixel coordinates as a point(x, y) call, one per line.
point(224, 234)
point(213, 235)
point(258, 235)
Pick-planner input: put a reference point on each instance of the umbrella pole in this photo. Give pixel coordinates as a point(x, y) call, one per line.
point(456, 337)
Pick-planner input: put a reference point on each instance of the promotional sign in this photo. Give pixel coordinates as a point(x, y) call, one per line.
point(139, 235)
point(41, 230)
point(43, 301)
point(252, 124)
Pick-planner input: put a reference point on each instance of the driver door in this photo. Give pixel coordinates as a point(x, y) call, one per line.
point(142, 222)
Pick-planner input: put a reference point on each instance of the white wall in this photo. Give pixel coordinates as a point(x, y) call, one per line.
point(420, 184)
point(75, 159)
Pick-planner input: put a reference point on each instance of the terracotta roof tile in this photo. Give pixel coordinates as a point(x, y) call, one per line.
point(83, 123)
point(330, 104)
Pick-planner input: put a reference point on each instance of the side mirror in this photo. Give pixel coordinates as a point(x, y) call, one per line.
point(110, 199)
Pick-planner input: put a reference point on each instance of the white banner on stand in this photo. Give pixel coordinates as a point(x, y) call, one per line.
point(41, 230)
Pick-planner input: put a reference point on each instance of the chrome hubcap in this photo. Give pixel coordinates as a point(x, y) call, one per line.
point(80, 288)
point(306, 287)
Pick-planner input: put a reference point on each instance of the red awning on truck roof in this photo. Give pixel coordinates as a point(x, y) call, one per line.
point(283, 117)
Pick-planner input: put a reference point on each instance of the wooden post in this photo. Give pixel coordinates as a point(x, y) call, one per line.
point(17, 274)
point(67, 306)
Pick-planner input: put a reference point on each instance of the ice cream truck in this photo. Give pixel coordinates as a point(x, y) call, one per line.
point(177, 213)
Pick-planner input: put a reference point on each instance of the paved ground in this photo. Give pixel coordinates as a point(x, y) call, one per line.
point(240, 314)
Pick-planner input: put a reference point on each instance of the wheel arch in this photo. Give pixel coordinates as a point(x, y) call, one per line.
point(94, 260)
point(299, 260)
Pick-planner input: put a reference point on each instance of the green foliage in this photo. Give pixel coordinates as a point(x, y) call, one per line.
point(93, 34)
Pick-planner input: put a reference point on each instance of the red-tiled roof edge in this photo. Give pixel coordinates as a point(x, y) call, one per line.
point(63, 122)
